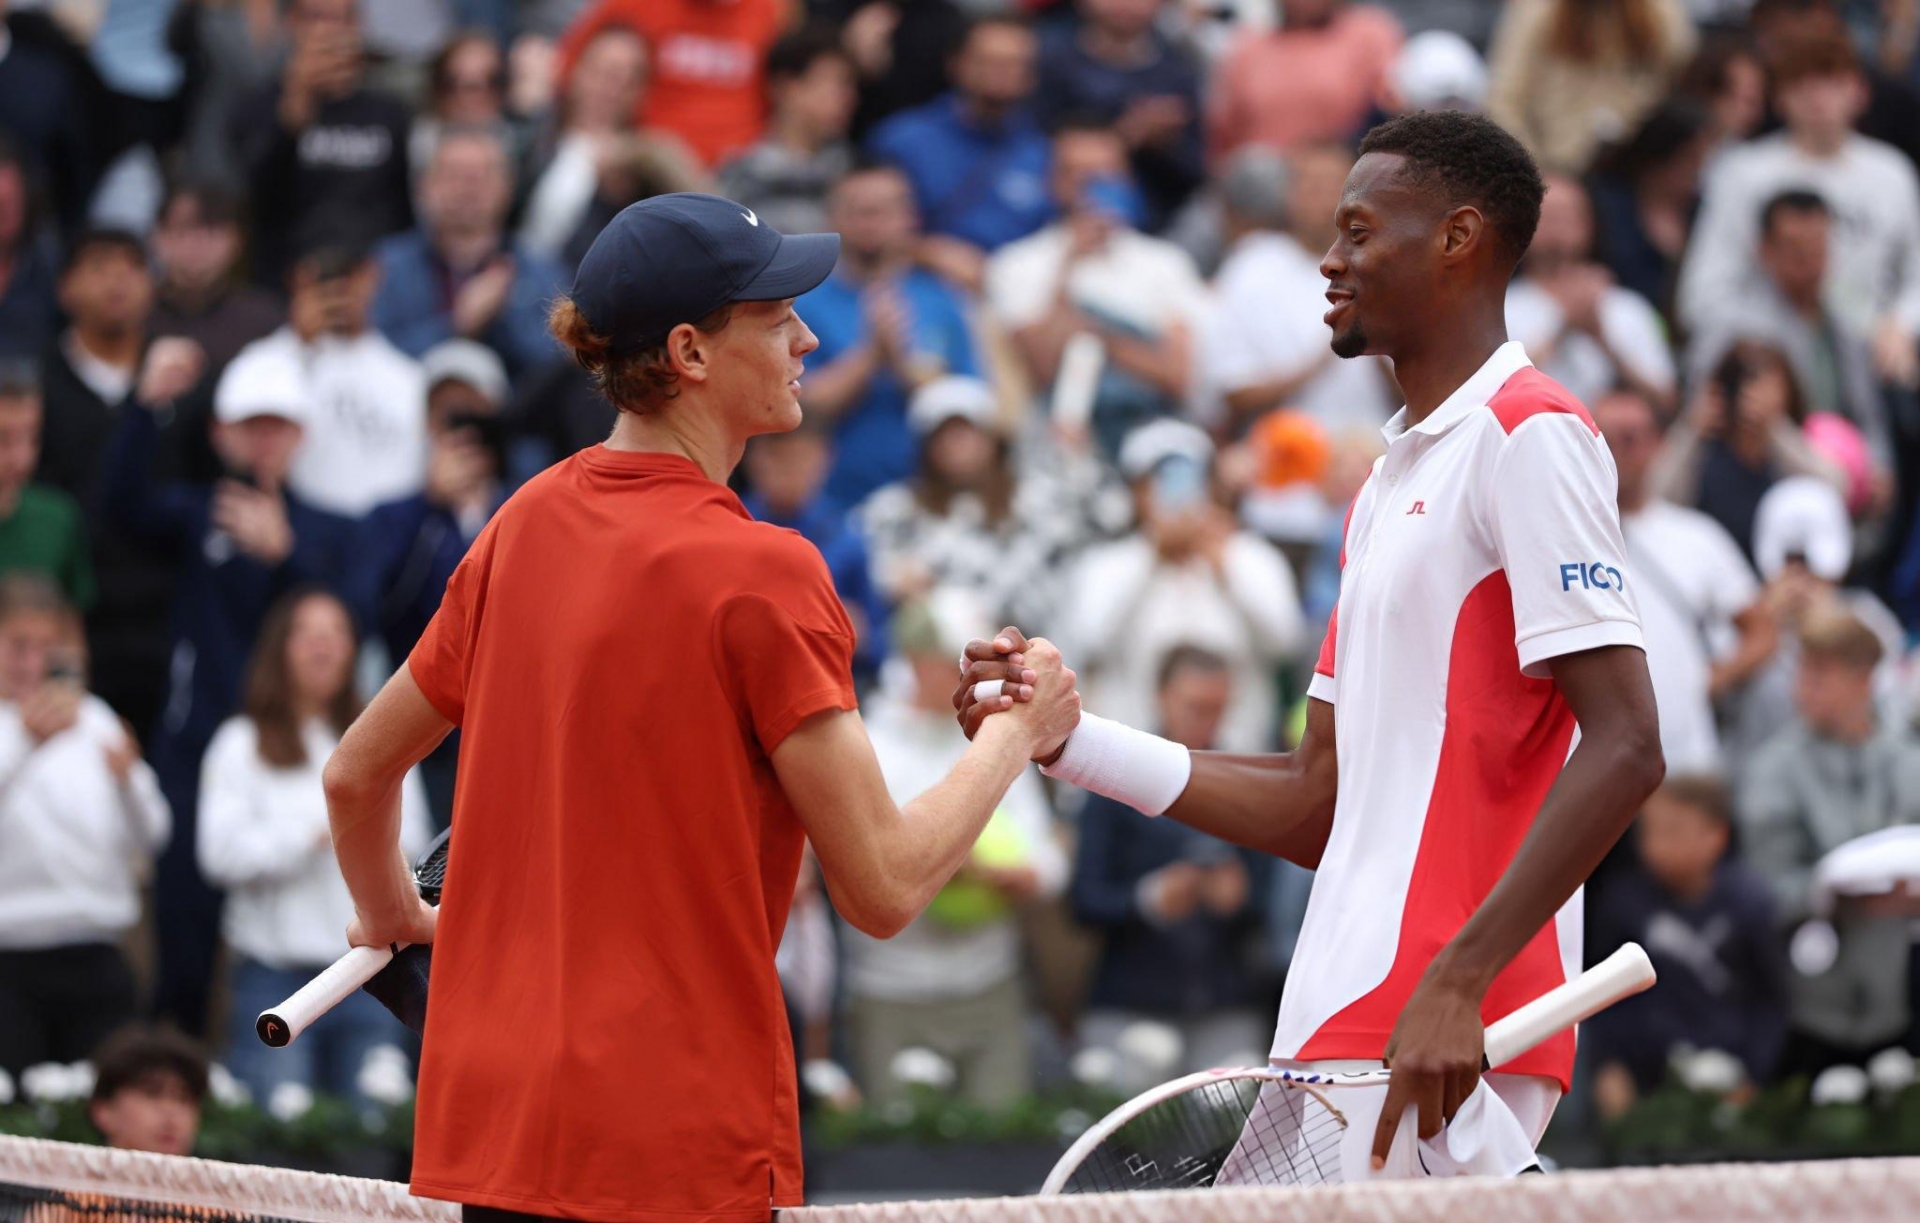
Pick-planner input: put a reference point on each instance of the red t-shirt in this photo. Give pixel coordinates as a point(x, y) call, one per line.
point(622, 648)
point(705, 59)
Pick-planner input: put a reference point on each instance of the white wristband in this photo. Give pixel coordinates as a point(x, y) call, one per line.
point(1131, 766)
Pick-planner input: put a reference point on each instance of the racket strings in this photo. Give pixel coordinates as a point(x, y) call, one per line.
point(1243, 1131)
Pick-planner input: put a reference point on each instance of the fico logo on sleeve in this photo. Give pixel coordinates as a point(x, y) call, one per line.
point(1594, 576)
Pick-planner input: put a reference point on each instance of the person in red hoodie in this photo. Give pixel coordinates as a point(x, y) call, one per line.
point(708, 56)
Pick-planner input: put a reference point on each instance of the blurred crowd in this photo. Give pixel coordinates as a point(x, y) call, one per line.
point(273, 348)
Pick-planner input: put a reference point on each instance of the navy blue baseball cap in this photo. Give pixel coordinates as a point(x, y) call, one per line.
point(677, 258)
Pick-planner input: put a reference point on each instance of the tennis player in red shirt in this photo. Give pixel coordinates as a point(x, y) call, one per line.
point(655, 708)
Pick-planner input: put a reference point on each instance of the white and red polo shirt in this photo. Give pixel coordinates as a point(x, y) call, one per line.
point(1485, 542)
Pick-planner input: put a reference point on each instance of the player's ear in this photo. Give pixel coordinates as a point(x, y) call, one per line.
point(690, 352)
point(1465, 229)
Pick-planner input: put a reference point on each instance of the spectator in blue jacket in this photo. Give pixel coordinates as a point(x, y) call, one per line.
point(887, 327)
point(240, 543)
point(976, 156)
point(1112, 65)
point(785, 475)
point(458, 274)
point(1178, 907)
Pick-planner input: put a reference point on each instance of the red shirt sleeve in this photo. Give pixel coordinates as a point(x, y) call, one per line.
point(787, 646)
point(441, 659)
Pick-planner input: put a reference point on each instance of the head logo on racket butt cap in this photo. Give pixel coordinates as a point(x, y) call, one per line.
point(677, 258)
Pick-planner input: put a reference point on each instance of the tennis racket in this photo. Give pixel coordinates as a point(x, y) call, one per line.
point(282, 1025)
point(1269, 1126)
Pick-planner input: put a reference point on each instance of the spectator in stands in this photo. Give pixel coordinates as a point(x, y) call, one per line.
point(1892, 112)
point(1581, 328)
point(1728, 82)
point(1113, 65)
point(786, 177)
point(592, 160)
point(1838, 772)
point(238, 543)
point(466, 87)
point(900, 50)
point(48, 96)
point(263, 836)
point(1740, 433)
point(1569, 77)
point(458, 274)
point(1707, 921)
point(1311, 80)
point(81, 817)
point(1644, 195)
point(951, 980)
point(1188, 575)
point(319, 143)
point(1788, 309)
point(975, 156)
point(1707, 632)
point(886, 326)
point(149, 1084)
point(708, 86)
point(29, 313)
point(197, 253)
point(787, 475)
point(1178, 910)
point(971, 517)
point(1094, 272)
point(41, 528)
point(365, 428)
point(1875, 277)
point(1266, 346)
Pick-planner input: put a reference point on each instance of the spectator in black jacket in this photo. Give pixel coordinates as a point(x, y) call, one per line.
point(1707, 921)
point(1178, 908)
point(318, 143)
point(240, 542)
point(28, 261)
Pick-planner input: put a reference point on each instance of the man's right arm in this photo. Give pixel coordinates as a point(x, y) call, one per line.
point(1279, 804)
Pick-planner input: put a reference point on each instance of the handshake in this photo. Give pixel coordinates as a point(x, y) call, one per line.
point(1026, 682)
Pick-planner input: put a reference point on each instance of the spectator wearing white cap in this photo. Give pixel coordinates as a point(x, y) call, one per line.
point(240, 541)
point(1188, 575)
point(1436, 70)
point(969, 517)
point(1266, 345)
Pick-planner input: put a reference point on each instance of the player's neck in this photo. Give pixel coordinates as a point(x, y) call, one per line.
point(1443, 361)
point(659, 433)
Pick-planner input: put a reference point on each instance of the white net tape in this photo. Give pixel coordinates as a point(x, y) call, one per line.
point(1864, 1190)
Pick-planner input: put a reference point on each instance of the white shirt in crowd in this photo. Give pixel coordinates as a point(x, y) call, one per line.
point(927, 961)
point(1875, 197)
point(366, 427)
point(1635, 338)
point(263, 836)
point(1136, 607)
point(74, 844)
point(1690, 581)
point(561, 197)
point(1142, 282)
point(1267, 322)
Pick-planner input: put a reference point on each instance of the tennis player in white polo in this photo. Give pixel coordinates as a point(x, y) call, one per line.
point(1481, 727)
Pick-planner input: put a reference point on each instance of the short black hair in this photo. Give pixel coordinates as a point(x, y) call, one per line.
point(19, 377)
point(103, 238)
point(1798, 201)
point(1474, 161)
point(139, 1051)
point(796, 53)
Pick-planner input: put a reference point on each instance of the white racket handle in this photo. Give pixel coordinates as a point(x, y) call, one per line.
point(1077, 383)
point(282, 1025)
point(1621, 975)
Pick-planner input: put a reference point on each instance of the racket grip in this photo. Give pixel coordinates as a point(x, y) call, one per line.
point(282, 1025)
point(1624, 973)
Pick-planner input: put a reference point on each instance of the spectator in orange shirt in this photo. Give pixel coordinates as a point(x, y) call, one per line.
point(1312, 80)
point(708, 87)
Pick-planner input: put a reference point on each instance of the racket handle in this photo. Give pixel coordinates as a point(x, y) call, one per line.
point(1624, 973)
point(282, 1025)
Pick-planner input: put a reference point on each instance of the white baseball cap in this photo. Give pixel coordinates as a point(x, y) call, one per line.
point(952, 397)
point(470, 362)
point(1803, 516)
point(265, 379)
point(1154, 443)
point(1439, 69)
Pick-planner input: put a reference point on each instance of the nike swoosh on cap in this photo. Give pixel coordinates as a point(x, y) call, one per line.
point(751, 219)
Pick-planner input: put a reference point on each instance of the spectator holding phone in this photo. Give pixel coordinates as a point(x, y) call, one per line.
point(1188, 575)
point(81, 817)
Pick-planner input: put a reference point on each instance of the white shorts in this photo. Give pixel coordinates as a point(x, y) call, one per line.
point(1494, 1133)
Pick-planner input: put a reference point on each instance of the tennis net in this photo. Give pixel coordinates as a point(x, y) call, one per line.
point(54, 1182)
